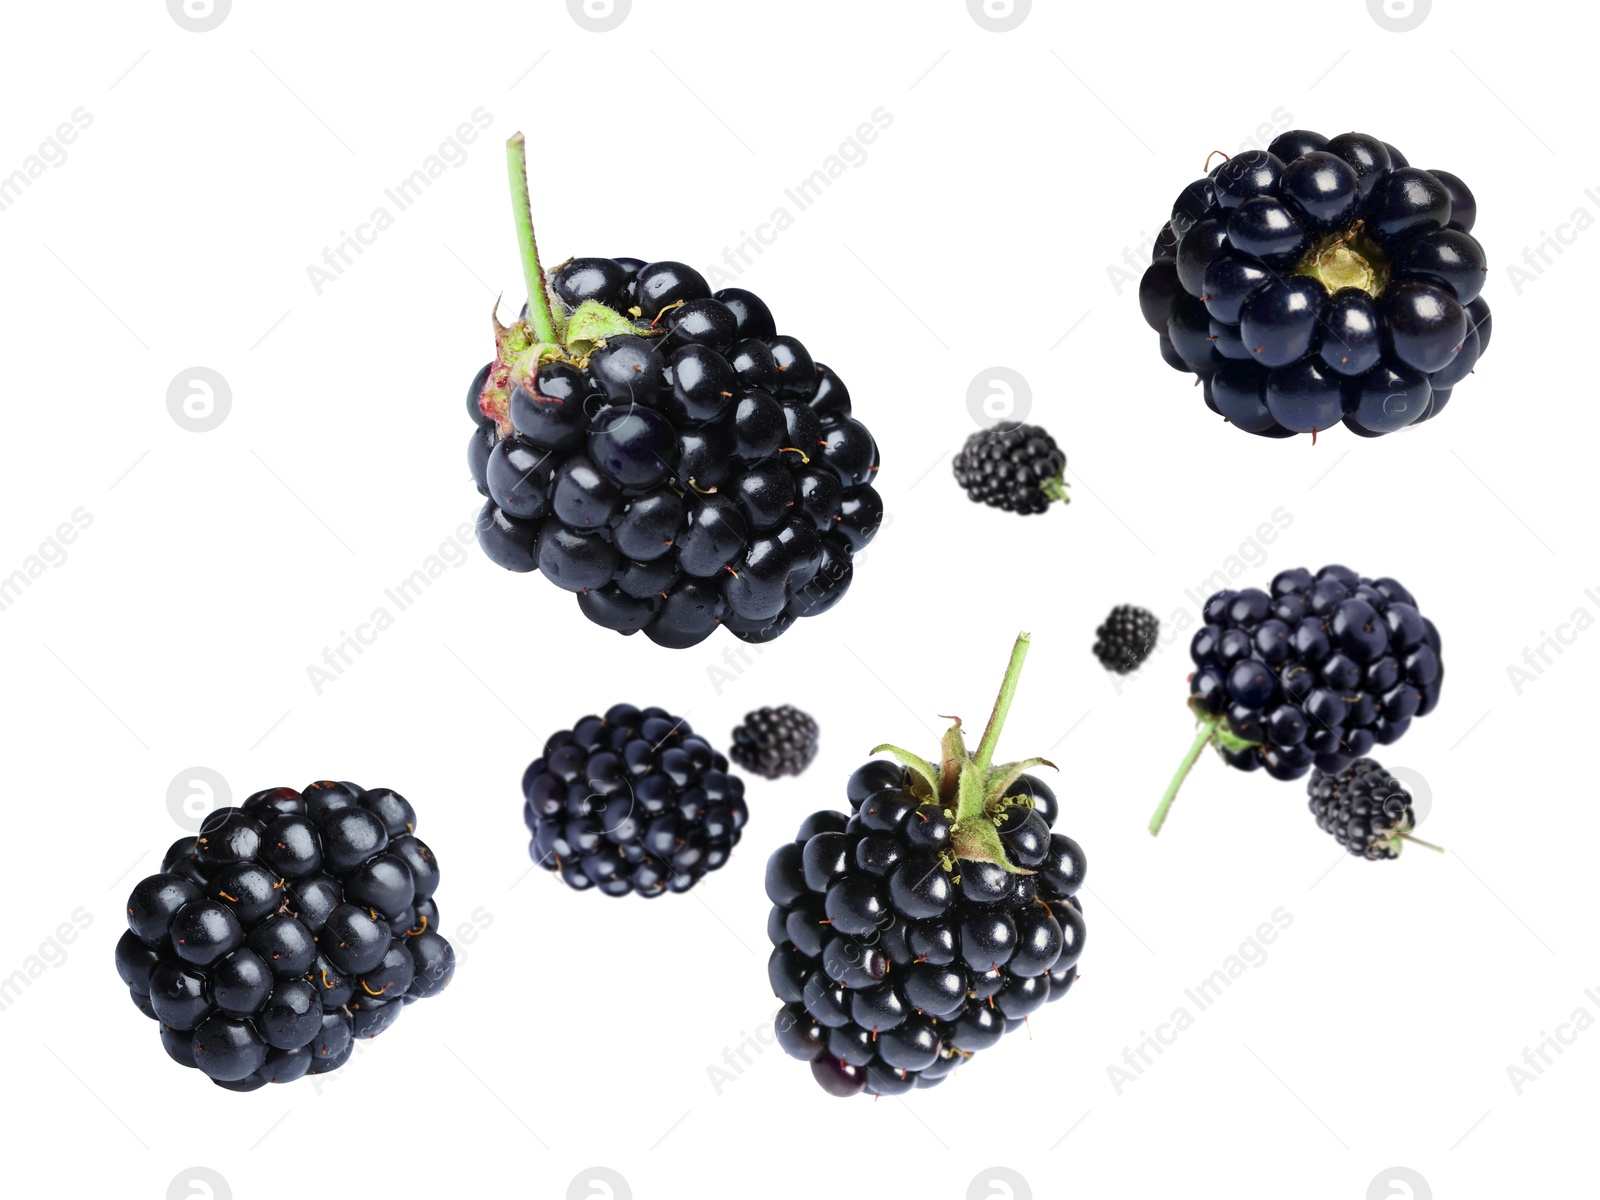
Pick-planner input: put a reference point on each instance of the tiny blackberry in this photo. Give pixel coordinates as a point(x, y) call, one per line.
point(1126, 638)
point(929, 921)
point(1317, 671)
point(1015, 470)
point(1365, 808)
point(1321, 281)
point(634, 801)
point(775, 741)
point(287, 928)
point(664, 453)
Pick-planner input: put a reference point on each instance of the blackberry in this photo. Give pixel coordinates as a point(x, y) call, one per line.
point(288, 927)
point(1321, 281)
point(929, 921)
point(1017, 469)
point(1126, 638)
point(664, 453)
point(634, 801)
point(1365, 808)
point(775, 741)
point(1317, 671)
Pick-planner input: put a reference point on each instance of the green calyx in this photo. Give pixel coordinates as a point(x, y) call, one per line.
point(1213, 731)
point(1056, 488)
point(1347, 259)
point(969, 786)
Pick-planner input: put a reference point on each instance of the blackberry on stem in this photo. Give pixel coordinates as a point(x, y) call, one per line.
point(1365, 808)
point(1015, 469)
point(1126, 638)
point(775, 741)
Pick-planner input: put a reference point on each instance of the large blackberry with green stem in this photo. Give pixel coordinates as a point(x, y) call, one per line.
point(930, 920)
point(664, 453)
point(1315, 672)
point(1321, 281)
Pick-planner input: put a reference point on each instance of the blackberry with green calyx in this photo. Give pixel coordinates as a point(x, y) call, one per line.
point(1315, 671)
point(775, 741)
point(1365, 808)
point(1017, 469)
point(929, 920)
point(632, 801)
point(288, 927)
point(665, 454)
point(1328, 280)
point(1126, 638)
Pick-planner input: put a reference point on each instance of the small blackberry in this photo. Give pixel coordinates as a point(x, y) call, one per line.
point(664, 453)
point(1316, 672)
point(929, 921)
point(1016, 470)
point(289, 927)
point(1365, 808)
point(1126, 638)
point(775, 741)
point(634, 801)
point(1321, 281)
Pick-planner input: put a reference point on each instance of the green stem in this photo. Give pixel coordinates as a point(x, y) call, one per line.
point(1208, 731)
point(1056, 489)
point(544, 329)
point(1420, 842)
point(1002, 705)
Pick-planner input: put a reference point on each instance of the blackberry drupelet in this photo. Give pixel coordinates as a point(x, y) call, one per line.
point(664, 453)
point(1321, 281)
point(634, 801)
point(287, 928)
point(929, 921)
point(1317, 671)
point(1365, 808)
point(1017, 469)
point(1126, 638)
point(775, 741)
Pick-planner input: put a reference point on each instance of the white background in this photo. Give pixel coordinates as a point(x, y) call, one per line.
point(977, 232)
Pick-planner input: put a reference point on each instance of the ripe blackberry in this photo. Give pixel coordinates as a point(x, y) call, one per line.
point(1317, 671)
point(663, 453)
point(775, 741)
point(929, 921)
point(634, 801)
point(1016, 470)
point(1126, 638)
point(1321, 281)
point(287, 928)
point(1365, 808)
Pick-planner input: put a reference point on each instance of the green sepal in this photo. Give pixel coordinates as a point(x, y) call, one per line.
point(1002, 777)
point(918, 766)
point(593, 322)
point(525, 367)
point(979, 841)
point(953, 752)
point(969, 793)
point(1056, 489)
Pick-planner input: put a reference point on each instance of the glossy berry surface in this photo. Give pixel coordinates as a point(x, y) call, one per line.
point(1364, 807)
point(285, 929)
point(774, 741)
point(1017, 469)
point(1321, 282)
point(1125, 638)
point(631, 802)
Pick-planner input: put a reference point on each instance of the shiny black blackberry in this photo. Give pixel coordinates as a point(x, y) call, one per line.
point(1365, 808)
point(926, 923)
point(287, 928)
point(774, 741)
point(634, 801)
point(1017, 469)
point(1126, 638)
point(665, 454)
point(1316, 671)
